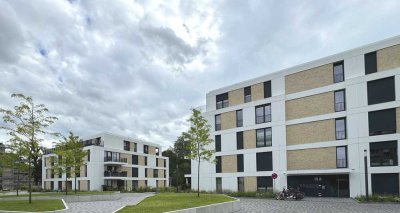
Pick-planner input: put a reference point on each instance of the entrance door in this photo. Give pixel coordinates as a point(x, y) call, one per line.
point(321, 185)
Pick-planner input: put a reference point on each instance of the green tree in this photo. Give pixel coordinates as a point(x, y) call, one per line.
point(199, 139)
point(26, 125)
point(71, 156)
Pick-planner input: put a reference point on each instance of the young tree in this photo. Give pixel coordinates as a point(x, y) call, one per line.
point(198, 138)
point(26, 124)
point(71, 156)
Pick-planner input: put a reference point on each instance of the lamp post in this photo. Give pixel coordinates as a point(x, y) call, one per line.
point(366, 173)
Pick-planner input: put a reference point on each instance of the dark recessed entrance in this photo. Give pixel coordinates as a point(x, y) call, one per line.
point(321, 185)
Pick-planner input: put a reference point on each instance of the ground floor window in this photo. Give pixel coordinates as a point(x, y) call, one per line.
point(219, 185)
point(321, 185)
point(135, 184)
point(264, 184)
point(240, 181)
point(385, 183)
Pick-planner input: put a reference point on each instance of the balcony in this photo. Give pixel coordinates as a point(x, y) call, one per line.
point(115, 161)
point(115, 174)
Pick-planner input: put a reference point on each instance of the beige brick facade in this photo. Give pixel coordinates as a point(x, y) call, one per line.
point(150, 173)
point(142, 184)
point(309, 79)
point(257, 92)
point(128, 157)
point(311, 132)
point(141, 160)
point(229, 163)
point(160, 184)
point(83, 171)
point(128, 171)
point(152, 150)
point(160, 162)
point(236, 97)
point(161, 173)
point(47, 185)
point(388, 58)
point(398, 120)
point(319, 158)
point(132, 146)
point(228, 120)
point(249, 139)
point(250, 184)
point(84, 185)
point(319, 104)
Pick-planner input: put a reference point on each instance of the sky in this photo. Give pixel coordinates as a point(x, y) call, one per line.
point(136, 68)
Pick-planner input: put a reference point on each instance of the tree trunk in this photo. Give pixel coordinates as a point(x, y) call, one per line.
point(198, 179)
point(75, 180)
point(66, 182)
point(29, 179)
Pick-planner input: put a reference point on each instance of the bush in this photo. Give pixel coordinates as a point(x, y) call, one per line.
point(267, 194)
point(379, 198)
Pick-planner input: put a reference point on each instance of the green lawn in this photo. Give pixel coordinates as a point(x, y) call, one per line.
point(59, 194)
point(35, 206)
point(173, 201)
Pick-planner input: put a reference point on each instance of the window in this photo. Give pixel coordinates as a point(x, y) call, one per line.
point(239, 140)
point(135, 160)
point(165, 163)
point(247, 94)
point(263, 114)
point(239, 118)
point(382, 122)
point(145, 149)
point(222, 101)
point(340, 101)
point(218, 143)
point(145, 172)
point(338, 72)
point(341, 157)
point(135, 147)
point(264, 137)
point(217, 122)
point(218, 167)
point(127, 146)
point(88, 155)
point(85, 170)
point(156, 162)
point(370, 63)
point(135, 184)
point(267, 89)
point(240, 164)
point(155, 173)
point(381, 91)
point(264, 184)
point(383, 153)
point(264, 161)
point(165, 173)
point(218, 181)
point(385, 184)
point(240, 181)
point(340, 128)
point(145, 161)
point(135, 172)
point(157, 151)
point(145, 183)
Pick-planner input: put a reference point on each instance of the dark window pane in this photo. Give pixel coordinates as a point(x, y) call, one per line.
point(339, 101)
point(264, 161)
point(267, 89)
point(341, 157)
point(135, 172)
point(217, 122)
point(239, 140)
point(370, 63)
point(240, 164)
point(383, 153)
point(219, 185)
point(218, 167)
point(260, 137)
point(259, 115)
point(263, 114)
point(338, 72)
point(239, 118)
point(381, 91)
point(222, 101)
point(268, 137)
point(247, 94)
point(135, 160)
point(340, 129)
point(267, 113)
point(240, 181)
point(385, 184)
point(218, 143)
point(382, 122)
point(264, 184)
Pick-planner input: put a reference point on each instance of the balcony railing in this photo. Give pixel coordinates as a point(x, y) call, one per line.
point(115, 174)
point(118, 160)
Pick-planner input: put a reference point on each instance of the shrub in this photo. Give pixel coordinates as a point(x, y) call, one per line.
point(267, 194)
point(379, 198)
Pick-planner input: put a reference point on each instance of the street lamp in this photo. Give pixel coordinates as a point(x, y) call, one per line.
point(366, 173)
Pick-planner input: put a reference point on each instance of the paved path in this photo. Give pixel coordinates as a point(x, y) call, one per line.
point(107, 206)
point(323, 205)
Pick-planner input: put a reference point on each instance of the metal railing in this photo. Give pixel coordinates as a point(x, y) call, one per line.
point(115, 174)
point(119, 160)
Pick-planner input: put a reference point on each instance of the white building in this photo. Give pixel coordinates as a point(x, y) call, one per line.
point(114, 161)
point(310, 124)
